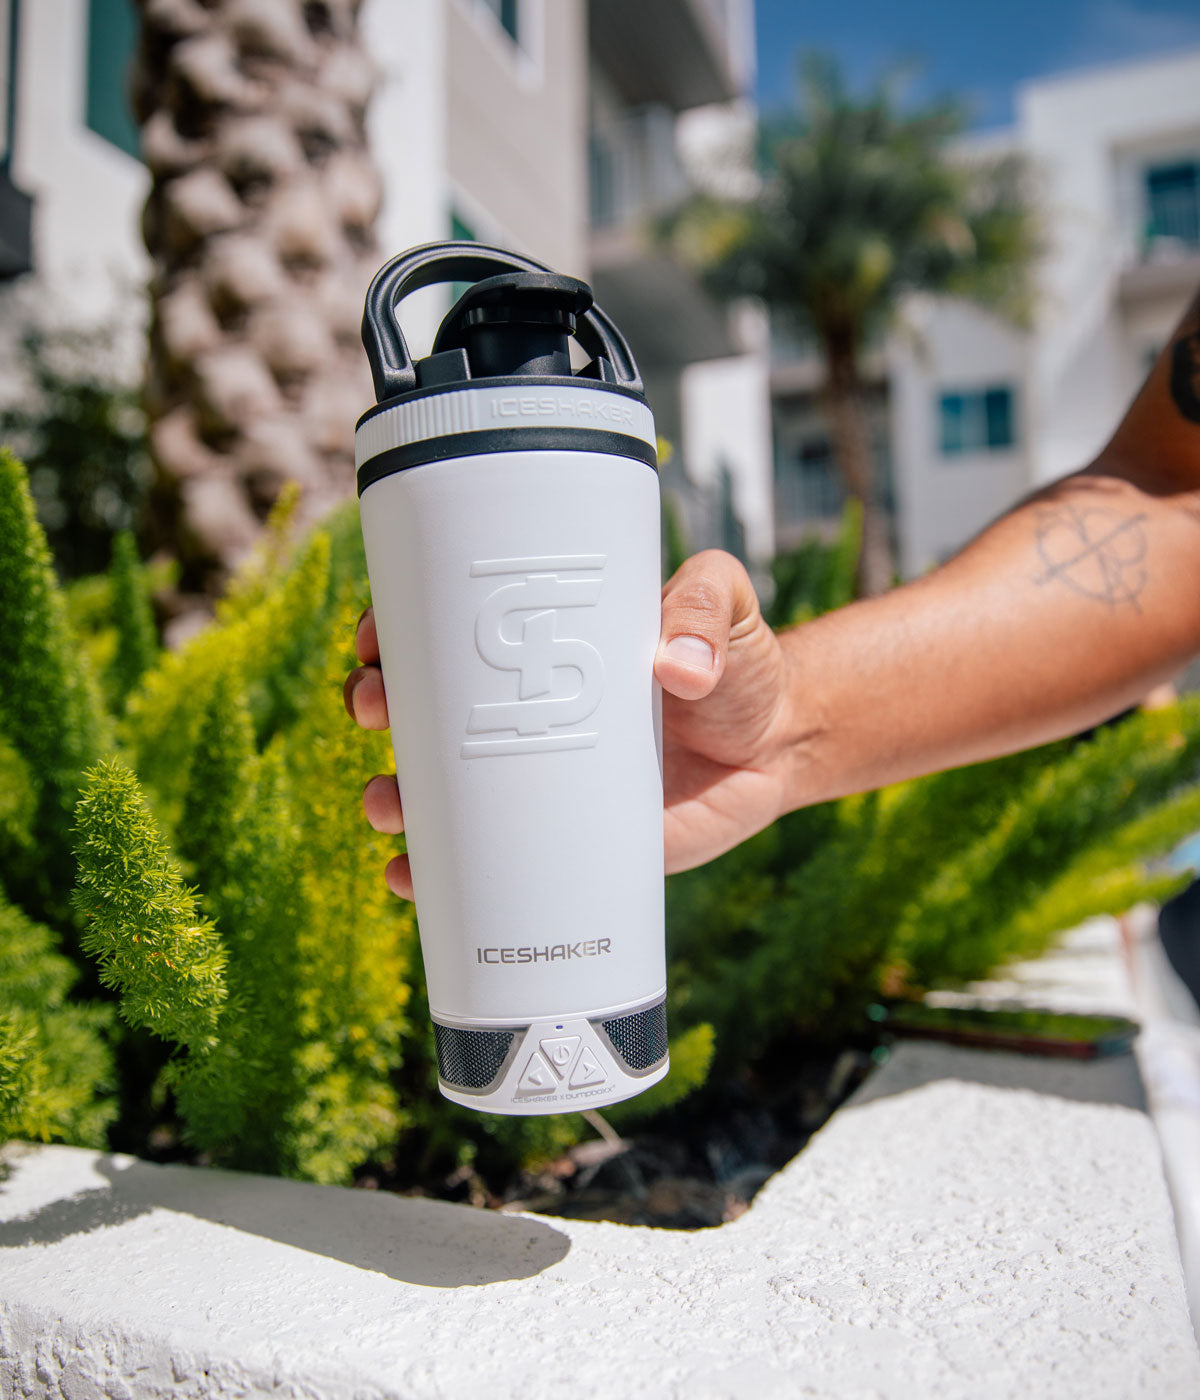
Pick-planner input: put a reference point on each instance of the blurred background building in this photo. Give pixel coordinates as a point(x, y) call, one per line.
point(72, 187)
point(969, 413)
point(566, 129)
point(554, 127)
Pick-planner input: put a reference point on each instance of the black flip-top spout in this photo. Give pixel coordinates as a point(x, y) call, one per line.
point(518, 323)
point(516, 320)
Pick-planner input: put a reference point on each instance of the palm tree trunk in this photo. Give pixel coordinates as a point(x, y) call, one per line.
point(852, 453)
point(260, 224)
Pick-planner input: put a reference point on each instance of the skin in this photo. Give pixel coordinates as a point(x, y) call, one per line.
point(1065, 611)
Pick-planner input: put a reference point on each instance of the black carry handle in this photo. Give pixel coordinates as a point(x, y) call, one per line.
point(392, 367)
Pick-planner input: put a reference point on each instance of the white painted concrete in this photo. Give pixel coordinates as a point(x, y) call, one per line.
point(948, 1239)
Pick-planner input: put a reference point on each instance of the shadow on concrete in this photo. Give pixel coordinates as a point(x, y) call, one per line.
point(1112, 1079)
point(410, 1240)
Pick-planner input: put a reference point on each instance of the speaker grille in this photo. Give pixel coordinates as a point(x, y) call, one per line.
point(640, 1039)
point(470, 1059)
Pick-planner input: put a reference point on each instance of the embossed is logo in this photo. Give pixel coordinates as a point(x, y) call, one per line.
point(521, 628)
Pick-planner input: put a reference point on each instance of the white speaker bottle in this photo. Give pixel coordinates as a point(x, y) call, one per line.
point(510, 511)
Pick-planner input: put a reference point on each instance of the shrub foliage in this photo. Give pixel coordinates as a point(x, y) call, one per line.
point(50, 710)
point(229, 897)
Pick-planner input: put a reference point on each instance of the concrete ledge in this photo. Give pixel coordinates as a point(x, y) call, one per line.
point(938, 1238)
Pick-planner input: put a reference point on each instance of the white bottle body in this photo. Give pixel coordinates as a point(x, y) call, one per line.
point(516, 598)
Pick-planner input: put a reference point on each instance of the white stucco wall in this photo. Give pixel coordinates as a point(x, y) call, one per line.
point(727, 422)
point(406, 129)
point(1089, 136)
point(516, 127)
point(941, 501)
point(88, 251)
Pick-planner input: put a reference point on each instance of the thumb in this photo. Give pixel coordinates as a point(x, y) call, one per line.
point(708, 597)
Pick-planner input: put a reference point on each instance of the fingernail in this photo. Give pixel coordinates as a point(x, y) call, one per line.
point(692, 651)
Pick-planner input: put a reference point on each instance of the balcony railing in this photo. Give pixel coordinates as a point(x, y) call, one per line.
point(808, 490)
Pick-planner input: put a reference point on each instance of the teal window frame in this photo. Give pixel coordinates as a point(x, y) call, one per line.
point(977, 420)
point(1173, 201)
point(461, 232)
point(112, 37)
point(508, 14)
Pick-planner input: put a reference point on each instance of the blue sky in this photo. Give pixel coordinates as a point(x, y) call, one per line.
point(979, 50)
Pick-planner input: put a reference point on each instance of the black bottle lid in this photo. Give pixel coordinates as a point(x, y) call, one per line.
point(516, 321)
point(519, 323)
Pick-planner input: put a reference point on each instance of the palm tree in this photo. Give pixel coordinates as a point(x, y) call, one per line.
point(861, 201)
point(260, 224)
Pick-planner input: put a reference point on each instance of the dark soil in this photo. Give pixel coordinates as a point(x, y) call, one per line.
point(701, 1163)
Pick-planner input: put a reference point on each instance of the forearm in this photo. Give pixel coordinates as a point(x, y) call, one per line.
point(1067, 610)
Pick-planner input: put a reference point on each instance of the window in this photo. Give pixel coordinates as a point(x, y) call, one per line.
point(508, 12)
point(602, 182)
point(112, 37)
point(1173, 202)
point(460, 230)
point(977, 420)
point(807, 486)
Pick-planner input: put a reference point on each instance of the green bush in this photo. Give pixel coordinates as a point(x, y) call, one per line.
point(929, 883)
point(818, 575)
point(137, 639)
point(56, 1070)
point(50, 709)
point(229, 896)
point(293, 1048)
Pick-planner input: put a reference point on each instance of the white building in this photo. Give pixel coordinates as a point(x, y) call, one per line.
point(973, 413)
point(548, 126)
point(68, 148)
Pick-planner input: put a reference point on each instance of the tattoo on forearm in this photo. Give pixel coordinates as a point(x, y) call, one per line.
point(1098, 553)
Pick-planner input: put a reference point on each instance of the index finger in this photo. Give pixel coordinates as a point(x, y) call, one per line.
point(366, 639)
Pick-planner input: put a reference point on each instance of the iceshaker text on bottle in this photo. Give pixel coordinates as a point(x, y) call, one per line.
point(510, 511)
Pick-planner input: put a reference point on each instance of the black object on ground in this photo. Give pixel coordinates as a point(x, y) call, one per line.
point(1179, 930)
